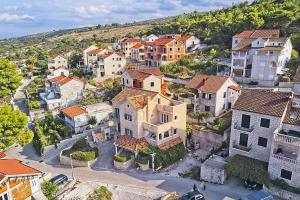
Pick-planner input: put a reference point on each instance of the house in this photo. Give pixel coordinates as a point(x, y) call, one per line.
point(191, 43)
point(143, 117)
point(62, 91)
point(93, 56)
point(127, 44)
point(57, 61)
point(266, 127)
point(17, 180)
point(58, 72)
point(149, 79)
point(150, 38)
point(109, 65)
point(260, 56)
point(85, 53)
point(138, 53)
point(163, 51)
point(77, 117)
point(214, 94)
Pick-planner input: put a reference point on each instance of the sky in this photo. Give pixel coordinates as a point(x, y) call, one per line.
point(25, 17)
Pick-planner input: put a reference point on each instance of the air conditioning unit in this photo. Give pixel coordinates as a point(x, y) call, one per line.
point(296, 104)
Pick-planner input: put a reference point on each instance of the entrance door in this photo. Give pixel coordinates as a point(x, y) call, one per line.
point(243, 140)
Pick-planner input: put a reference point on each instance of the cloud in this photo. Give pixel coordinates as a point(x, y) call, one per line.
point(91, 11)
point(7, 17)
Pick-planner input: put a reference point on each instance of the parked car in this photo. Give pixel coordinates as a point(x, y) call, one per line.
point(252, 185)
point(194, 195)
point(259, 195)
point(59, 179)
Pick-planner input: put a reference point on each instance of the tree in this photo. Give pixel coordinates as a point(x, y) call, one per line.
point(32, 60)
point(219, 122)
point(10, 80)
point(295, 54)
point(49, 190)
point(213, 52)
point(13, 125)
point(92, 121)
point(102, 193)
point(200, 116)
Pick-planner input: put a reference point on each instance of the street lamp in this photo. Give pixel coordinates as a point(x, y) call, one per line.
point(72, 167)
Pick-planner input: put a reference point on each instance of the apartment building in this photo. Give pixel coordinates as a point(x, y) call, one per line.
point(215, 94)
point(143, 116)
point(259, 55)
point(138, 52)
point(163, 51)
point(62, 91)
point(108, 65)
point(191, 43)
point(18, 181)
point(57, 61)
point(266, 126)
point(127, 44)
point(94, 55)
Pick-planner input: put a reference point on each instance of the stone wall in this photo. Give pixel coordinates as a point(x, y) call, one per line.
point(123, 165)
point(282, 194)
point(64, 160)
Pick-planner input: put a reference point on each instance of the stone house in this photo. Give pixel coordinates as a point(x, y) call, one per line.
point(259, 55)
point(127, 44)
point(57, 61)
point(148, 117)
point(138, 52)
point(215, 94)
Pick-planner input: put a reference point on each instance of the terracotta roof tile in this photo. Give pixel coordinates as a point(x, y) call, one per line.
point(264, 33)
point(270, 48)
point(61, 80)
point(234, 87)
point(207, 83)
point(162, 41)
point(73, 111)
point(10, 167)
point(292, 116)
point(95, 51)
point(2, 154)
point(243, 45)
point(170, 143)
point(143, 73)
point(131, 143)
point(137, 46)
point(184, 37)
point(267, 102)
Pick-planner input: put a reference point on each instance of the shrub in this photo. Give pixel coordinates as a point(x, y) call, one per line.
point(39, 140)
point(49, 190)
point(102, 193)
point(85, 156)
point(285, 186)
point(141, 158)
point(121, 158)
point(33, 105)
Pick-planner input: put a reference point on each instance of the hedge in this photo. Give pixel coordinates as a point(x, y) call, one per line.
point(85, 156)
point(39, 140)
point(121, 158)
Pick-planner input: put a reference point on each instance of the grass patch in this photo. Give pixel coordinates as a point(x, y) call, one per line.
point(193, 173)
point(118, 158)
point(82, 151)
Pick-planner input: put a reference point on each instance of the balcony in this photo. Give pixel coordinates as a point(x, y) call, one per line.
point(241, 148)
point(286, 139)
point(157, 128)
point(239, 54)
point(165, 108)
point(285, 159)
point(240, 128)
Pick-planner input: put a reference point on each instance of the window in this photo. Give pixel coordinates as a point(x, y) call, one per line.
point(158, 100)
point(164, 118)
point(152, 84)
point(160, 136)
point(123, 80)
point(235, 41)
point(176, 117)
point(286, 174)
point(4, 197)
point(263, 142)
point(128, 117)
point(175, 131)
point(119, 65)
point(117, 112)
point(171, 56)
point(128, 132)
point(166, 134)
point(207, 108)
point(171, 49)
point(243, 140)
point(178, 49)
point(245, 121)
point(264, 122)
point(224, 95)
point(203, 95)
point(127, 81)
point(209, 96)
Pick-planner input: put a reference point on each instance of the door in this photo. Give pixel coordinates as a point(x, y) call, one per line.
point(243, 140)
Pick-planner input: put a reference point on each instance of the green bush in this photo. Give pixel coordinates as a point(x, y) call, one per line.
point(142, 158)
point(82, 151)
point(33, 105)
point(102, 193)
point(85, 156)
point(285, 186)
point(118, 158)
point(39, 140)
point(49, 190)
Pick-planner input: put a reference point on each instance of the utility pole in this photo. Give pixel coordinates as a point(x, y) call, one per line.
point(72, 167)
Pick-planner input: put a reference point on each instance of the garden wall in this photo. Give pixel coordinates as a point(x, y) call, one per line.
point(64, 160)
point(282, 194)
point(123, 165)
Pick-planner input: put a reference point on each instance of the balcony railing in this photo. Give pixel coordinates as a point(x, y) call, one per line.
point(285, 159)
point(157, 128)
point(242, 148)
point(287, 139)
point(240, 128)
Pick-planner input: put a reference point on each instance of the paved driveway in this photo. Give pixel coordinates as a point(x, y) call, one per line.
point(105, 160)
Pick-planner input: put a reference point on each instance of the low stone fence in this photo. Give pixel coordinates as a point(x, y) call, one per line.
point(123, 165)
point(64, 160)
point(282, 194)
point(144, 167)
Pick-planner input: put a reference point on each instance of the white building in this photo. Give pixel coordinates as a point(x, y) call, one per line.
point(191, 43)
point(266, 126)
point(62, 91)
point(109, 65)
point(77, 117)
point(259, 55)
point(150, 38)
point(85, 53)
point(215, 94)
point(57, 61)
point(138, 52)
point(58, 72)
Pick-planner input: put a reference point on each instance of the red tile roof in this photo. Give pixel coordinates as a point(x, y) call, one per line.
point(61, 80)
point(131, 143)
point(137, 46)
point(170, 143)
point(149, 43)
point(94, 51)
point(73, 111)
point(265, 33)
point(184, 37)
point(2, 154)
point(142, 74)
point(61, 67)
point(207, 83)
point(11, 167)
point(267, 102)
point(162, 41)
point(105, 55)
point(234, 87)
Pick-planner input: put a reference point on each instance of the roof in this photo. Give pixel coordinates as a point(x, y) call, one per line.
point(135, 96)
point(137, 46)
point(130, 143)
point(94, 51)
point(56, 55)
point(207, 83)
point(2, 154)
point(132, 40)
point(243, 45)
point(105, 55)
point(270, 48)
point(61, 80)
point(267, 102)
point(61, 67)
point(264, 33)
point(184, 37)
point(234, 87)
point(170, 143)
point(215, 161)
point(11, 167)
point(142, 74)
point(73, 111)
point(162, 41)
point(292, 116)
point(148, 43)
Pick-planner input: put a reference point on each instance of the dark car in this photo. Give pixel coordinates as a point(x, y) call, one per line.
point(252, 185)
point(59, 179)
point(194, 195)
